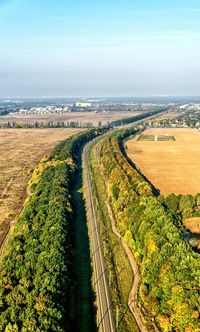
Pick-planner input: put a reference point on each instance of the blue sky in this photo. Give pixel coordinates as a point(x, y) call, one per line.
point(96, 48)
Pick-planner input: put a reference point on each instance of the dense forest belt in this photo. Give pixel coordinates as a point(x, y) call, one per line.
point(136, 118)
point(132, 301)
point(38, 281)
point(37, 276)
point(169, 268)
point(186, 209)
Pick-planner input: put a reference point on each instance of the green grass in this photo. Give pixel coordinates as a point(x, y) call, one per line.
point(151, 138)
point(166, 138)
point(146, 138)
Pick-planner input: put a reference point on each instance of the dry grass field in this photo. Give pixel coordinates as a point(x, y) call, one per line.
point(192, 224)
point(92, 117)
point(172, 166)
point(167, 116)
point(21, 150)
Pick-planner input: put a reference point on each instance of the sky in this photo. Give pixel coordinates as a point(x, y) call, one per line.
point(54, 48)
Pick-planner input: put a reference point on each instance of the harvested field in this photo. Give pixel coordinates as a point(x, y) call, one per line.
point(168, 116)
point(172, 166)
point(94, 118)
point(192, 224)
point(21, 150)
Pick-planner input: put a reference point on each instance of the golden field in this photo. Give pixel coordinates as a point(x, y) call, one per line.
point(80, 117)
point(21, 150)
point(171, 166)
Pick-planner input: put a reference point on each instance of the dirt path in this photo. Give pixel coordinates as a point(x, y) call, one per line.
point(132, 302)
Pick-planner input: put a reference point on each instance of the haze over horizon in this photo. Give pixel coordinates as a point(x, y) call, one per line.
point(99, 48)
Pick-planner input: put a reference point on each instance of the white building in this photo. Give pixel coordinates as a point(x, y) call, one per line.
point(83, 104)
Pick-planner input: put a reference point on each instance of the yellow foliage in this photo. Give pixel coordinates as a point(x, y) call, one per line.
point(164, 323)
point(190, 328)
point(180, 312)
point(129, 239)
point(164, 270)
point(52, 229)
point(177, 289)
point(109, 188)
point(115, 174)
point(120, 216)
point(121, 227)
point(40, 304)
point(146, 190)
point(44, 163)
point(128, 236)
point(195, 314)
point(152, 246)
point(11, 328)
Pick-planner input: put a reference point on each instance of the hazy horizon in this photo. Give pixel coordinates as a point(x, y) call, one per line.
point(116, 48)
point(98, 97)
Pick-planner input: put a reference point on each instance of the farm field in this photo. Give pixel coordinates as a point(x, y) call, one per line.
point(167, 116)
point(172, 166)
point(21, 150)
point(92, 117)
point(192, 224)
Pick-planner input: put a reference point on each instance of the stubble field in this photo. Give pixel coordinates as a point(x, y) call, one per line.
point(172, 166)
point(94, 118)
point(21, 150)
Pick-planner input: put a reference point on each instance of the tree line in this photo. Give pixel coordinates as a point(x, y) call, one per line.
point(49, 124)
point(170, 277)
point(75, 124)
point(36, 272)
point(134, 118)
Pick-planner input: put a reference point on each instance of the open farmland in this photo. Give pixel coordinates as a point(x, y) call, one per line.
point(192, 224)
point(21, 150)
point(172, 166)
point(81, 117)
point(167, 116)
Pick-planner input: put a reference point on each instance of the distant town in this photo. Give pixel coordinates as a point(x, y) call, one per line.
point(183, 112)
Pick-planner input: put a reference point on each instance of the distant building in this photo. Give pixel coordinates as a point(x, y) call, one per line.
point(84, 104)
point(183, 107)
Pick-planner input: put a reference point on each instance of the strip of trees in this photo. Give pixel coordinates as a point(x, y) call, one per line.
point(183, 206)
point(77, 124)
point(37, 272)
point(48, 124)
point(169, 268)
point(126, 121)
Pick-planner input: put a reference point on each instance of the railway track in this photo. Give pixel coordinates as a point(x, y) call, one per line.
point(105, 321)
